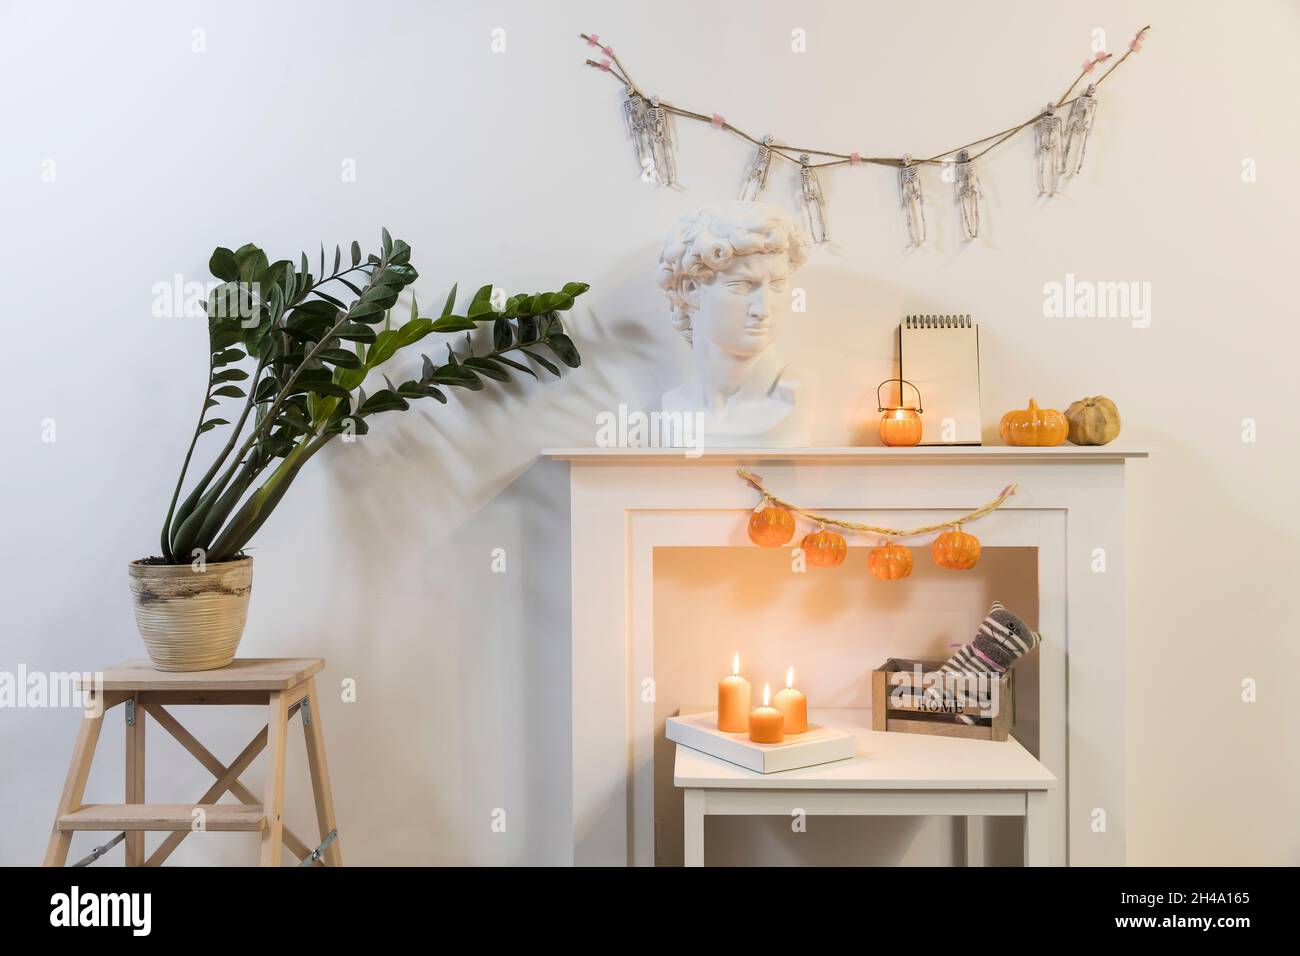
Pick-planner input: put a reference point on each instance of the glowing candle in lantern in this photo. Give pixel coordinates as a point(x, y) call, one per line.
point(793, 706)
point(766, 726)
point(733, 701)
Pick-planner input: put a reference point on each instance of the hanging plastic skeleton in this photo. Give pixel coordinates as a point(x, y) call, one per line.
point(661, 143)
point(814, 203)
point(909, 194)
point(756, 173)
point(634, 120)
point(1077, 128)
point(968, 195)
point(1051, 158)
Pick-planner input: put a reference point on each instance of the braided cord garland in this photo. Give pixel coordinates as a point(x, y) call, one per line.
point(756, 483)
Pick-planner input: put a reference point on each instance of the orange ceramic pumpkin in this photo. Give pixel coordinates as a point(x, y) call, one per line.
point(771, 527)
point(956, 550)
point(1034, 426)
point(890, 561)
point(825, 549)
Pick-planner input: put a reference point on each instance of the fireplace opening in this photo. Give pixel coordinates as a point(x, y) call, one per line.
point(833, 625)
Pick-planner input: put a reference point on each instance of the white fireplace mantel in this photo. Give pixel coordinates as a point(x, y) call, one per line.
point(1069, 507)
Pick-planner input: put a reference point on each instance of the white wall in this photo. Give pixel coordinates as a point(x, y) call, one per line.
point(511, 168)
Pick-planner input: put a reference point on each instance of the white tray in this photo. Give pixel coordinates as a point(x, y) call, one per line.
point(818, 745)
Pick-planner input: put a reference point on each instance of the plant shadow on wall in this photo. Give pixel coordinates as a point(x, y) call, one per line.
point(311, 342)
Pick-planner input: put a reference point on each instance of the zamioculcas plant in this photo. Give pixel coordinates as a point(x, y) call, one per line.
point(287, 354)
point(310, 349)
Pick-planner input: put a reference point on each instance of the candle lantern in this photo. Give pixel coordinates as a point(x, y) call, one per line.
point(900, 425)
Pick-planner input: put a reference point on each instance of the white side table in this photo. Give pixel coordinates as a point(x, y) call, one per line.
point(893, 774)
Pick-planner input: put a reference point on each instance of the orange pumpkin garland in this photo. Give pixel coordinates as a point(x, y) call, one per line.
point(956, 550)
point(890, 561)
point(825, 549)
point(771, 527)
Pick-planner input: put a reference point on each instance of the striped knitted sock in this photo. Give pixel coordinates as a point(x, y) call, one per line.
point(1002, 639)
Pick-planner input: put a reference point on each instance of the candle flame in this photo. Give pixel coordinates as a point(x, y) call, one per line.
point(767, 694)
point(789, 677)
point(735, 664)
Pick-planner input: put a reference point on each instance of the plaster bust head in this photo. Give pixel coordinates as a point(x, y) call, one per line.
point(726, 271)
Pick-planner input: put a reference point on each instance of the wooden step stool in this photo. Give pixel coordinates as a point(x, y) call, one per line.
point(284, 687)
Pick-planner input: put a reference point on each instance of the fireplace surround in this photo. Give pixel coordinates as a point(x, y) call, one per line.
point(1069, 509)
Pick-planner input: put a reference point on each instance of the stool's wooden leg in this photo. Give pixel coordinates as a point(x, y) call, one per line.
point(74, 786)
point(277, 729)
point(320, 775)
point(135, 776)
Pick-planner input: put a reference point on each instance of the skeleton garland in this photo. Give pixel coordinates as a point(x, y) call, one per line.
point(1060, 147)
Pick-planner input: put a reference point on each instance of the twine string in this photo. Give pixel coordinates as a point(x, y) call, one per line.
point(755, 482)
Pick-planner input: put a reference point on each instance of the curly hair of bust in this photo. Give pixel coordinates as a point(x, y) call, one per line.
point(702, 245)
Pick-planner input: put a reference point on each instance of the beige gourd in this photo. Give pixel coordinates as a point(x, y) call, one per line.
point(1092, 421)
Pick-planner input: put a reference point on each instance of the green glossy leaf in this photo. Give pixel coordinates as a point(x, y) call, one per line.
point(212, 423)
point(488, 367)
point(421, 390)
point(384, 296)
point(384, 400)
point(223, 265)
point(229, 375)
point(459, 376)
point(453, 323)
point(340, 357)
point(355, 332)
point(520, 366)
point(543, 362)
point(228, 356)
point(450, 303)
point(267, 389)
point(387, 241)
point(252, 262)
point(367, 312)
point(503, 334)
point(230, 391)
point(481, 304)
point(564, 350)
point(356, 253)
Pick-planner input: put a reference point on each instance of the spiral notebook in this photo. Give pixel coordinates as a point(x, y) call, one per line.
point(940, 355)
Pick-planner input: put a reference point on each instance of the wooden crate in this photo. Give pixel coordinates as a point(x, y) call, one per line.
point(887, 713)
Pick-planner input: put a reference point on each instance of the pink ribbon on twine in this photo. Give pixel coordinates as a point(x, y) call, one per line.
point(854, 159)
point(604, 65)
point(593, 39)
point(717, 122)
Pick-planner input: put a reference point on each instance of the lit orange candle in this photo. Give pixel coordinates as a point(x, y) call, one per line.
point(793, 706)
point(766, 726)
point(733, 701)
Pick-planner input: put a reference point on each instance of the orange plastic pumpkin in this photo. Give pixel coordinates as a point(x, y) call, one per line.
point(825, 549)
point(890, 561)
point(1034, 426)
point(956, 550)
point(771, 527)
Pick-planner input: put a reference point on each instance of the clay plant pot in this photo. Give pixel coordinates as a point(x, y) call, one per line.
point(191, 619)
